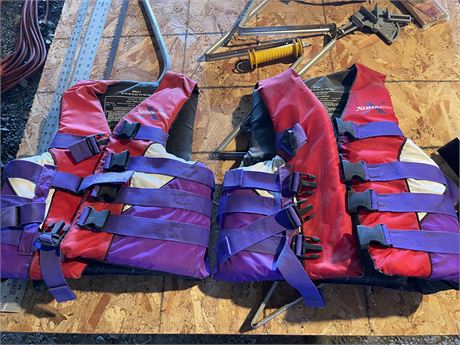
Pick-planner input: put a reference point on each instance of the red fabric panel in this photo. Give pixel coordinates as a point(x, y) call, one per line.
point(369, 89)
point(289, 101)
point(81, 111)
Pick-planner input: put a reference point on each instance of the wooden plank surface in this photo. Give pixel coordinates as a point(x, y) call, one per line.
point(423, 69)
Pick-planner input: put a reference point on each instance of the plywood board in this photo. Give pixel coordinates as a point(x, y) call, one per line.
point(424, 82)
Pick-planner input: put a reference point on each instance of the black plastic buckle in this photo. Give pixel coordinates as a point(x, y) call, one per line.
point(301, 245)
point(344, 127)
point(300, 212)
point(353, 170)
point(128, 130)
point(367, 235)
point(356, 200)
point(93, 220)
point(105, 192)
point(117, 161)
point(303, 184)
point(52, 235)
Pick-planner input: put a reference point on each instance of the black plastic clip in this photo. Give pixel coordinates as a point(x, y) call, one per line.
point(353, 170)
point(367, 235)
point(117, 162)
point(128, 130)
point(52, 235)
point(105, 192)
point(344, 127)
point(93, 220)
point(303, 184)
point(356, 200)
point(301, 245)
point(300, 213)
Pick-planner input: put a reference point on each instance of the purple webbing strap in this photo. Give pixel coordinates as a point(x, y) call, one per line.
point(66, 181)
point(287, 262)
point(22, 169)
point(261, 229)
point(393, 171)
point(80, 147)
point(156, 229)
point(239, 178)
point(368, 130)
point(402, 202)
point(171, 198)
point(13, 200)
point(102, 178)
point(294, 273)
point(170, 167)
point(50, 266)
point(249, 204)
point(64, 140)
point(271, 245)
point(152, 134)
point(290, 140)
point(17, 216)
point(422, 240)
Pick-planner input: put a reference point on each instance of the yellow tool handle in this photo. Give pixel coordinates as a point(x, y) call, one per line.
point(294, 49)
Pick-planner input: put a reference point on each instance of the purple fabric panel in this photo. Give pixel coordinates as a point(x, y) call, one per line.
point(444, 266)
point(189, 186)
point(172, 257)
point(12, 264)
point(247, 267)
point(7, 190)
point(399, 170)
point(11, 236)
point(22, 169)
point(42, 189)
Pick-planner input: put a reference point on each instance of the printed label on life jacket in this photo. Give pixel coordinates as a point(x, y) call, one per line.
point(115, 107)
point(333, 101)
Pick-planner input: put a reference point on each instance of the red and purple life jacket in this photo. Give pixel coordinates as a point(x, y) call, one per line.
point(335, 194)
point(116, 196)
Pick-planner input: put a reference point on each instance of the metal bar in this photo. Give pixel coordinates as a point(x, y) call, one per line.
point(288, 29)
point(153, 25)
point(318, 56)
point(256, 324)
point(50, 124)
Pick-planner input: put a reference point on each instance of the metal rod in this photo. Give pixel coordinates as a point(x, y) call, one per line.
point(152, 22)
point(318, 56)
point(256, 324)
point(287, 29)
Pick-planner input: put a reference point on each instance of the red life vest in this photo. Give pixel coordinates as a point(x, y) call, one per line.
point(383, 212)
point(115, 196)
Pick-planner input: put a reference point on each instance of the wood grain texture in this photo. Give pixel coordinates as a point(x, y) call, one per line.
point(424, 82)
